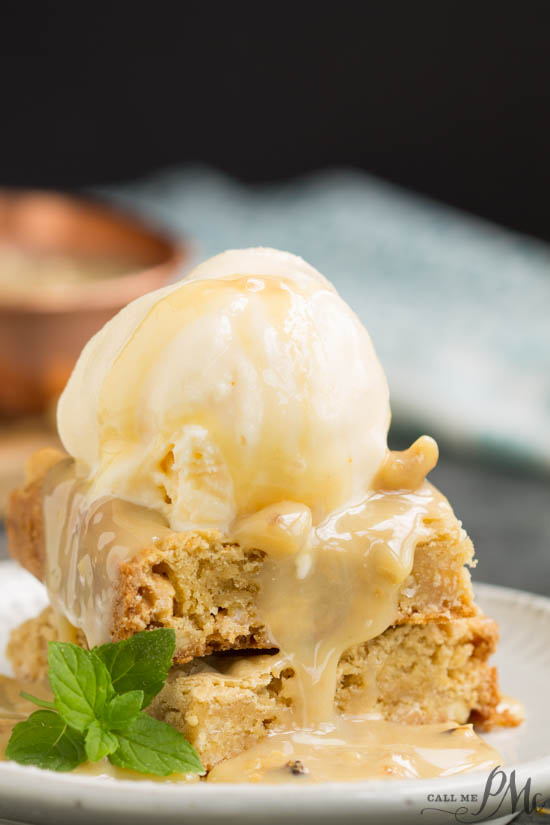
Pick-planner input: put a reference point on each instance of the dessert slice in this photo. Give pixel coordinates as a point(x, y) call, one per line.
point(227, 476)
point(412, 674)
point(205, 586)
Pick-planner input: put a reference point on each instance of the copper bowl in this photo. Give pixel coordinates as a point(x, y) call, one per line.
point(42, 333)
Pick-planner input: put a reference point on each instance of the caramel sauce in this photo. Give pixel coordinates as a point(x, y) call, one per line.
point(324, 587)
point(324, 590)
point(6, 727)
point(105, 770)
point(338, 584)
point(352, 749)
point(13, 708)
point(12, 704)
point(85, 546)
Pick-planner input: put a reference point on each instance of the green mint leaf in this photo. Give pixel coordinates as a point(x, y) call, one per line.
point(150, 746)
point(141, 662)
point(46, 741)
point(99, 696)
point(99, 742)
point(123, 709)
point(80, 682)
point(42, 703)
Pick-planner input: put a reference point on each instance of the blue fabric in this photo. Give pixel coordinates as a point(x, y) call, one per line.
point(459, 310)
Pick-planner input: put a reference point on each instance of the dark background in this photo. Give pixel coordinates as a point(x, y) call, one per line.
point(448, 98)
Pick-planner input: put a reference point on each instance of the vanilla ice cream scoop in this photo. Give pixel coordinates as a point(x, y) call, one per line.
point(247, 383)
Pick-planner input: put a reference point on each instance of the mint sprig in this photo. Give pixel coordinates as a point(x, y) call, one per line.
point(123, 709)
point(150, 746)
point(140, 663)
point(99, 742)
point(80, 682)
point(99, 697)
point(46, 741)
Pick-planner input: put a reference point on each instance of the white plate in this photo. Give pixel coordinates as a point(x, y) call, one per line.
point(32, 795)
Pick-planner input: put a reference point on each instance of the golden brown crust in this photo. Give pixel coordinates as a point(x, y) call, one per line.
point(28, 647)
point(196, 584)
point(431, 666)
point(439, 585)
point(429, 672)
point(204, 587)
point(416, 674)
